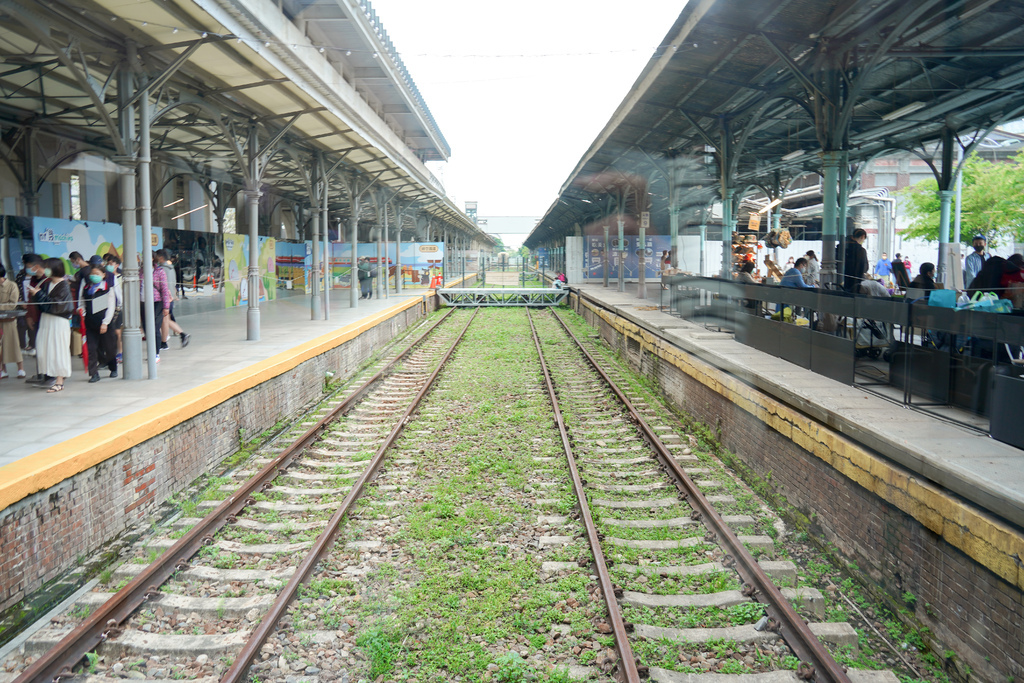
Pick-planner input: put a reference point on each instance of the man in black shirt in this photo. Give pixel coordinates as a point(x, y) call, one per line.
point(856, 261)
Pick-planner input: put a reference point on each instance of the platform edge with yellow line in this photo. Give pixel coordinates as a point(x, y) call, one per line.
point(50, 466)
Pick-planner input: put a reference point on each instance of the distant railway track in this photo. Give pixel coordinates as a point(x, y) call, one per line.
point(529, 510)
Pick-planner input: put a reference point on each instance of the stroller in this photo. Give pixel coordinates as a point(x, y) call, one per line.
point(871, 337)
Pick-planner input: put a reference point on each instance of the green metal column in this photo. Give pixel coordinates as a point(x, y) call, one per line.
point(622, 254)
point(641, 255)
point(844, 193)
point(725, 162)
point(945, 203)
point(606, 255)
point(831, 162)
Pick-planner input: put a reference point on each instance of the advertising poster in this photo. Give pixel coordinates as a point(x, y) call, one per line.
point(593, 256)
point(291, 264)
point(422, 262)
point(57, 238)
point(236, 269)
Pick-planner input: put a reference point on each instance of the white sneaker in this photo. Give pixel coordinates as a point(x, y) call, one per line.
point(21, 374)
point(28, 352)
point(3, 374)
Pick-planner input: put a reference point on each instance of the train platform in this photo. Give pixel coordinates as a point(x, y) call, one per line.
point(32, 420)
point(964, 461)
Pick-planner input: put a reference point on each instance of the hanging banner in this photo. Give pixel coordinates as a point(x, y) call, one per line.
point(649, 258)
point(421, 263)
point(57, 238)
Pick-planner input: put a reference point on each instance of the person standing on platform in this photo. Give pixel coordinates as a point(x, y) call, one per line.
point(113, 267)
point(976, 259)
point(33, 275)
point(812, 274)
point(53, 339)
point(178, 275)
point(100, 302)
point(169, 322)
point(10, 349)
point(365, 280)
point(161, 304)
point(883, 268)
point(856, 261)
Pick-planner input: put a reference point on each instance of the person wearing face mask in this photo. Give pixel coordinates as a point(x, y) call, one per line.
point(976, 259)
point(794, 276)
point(53, 340)
point(31, 276)
point(112, 264)
point(100, 301)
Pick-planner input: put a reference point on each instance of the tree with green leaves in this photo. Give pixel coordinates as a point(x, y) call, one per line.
point(992, 203)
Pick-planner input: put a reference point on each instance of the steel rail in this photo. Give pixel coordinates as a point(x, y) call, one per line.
point(816, 662)
point(628, 668)
point(104, 623)
point(239, 668)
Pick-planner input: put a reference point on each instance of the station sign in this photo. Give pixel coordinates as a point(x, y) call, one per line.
point(645, 219)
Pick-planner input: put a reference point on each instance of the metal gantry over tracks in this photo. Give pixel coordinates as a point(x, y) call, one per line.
point(532, 297)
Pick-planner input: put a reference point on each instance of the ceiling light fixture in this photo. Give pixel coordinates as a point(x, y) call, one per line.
point(198, 208)
point(174, 202)
point(903, 111)
point(793, 155)
point(774, 203)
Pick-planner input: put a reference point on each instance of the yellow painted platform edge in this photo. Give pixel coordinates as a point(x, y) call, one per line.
point(987, 540)
point(57, 463)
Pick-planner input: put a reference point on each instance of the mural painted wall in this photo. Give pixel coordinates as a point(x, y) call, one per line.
point(236, 269)
point(293, 261)
point(58, 237)
point(421, 263)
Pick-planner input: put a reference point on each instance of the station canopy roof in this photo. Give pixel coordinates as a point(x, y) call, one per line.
point(787, 80)
point(317, 76)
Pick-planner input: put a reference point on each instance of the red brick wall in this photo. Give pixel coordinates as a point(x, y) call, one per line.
point(969, 609)
point(44, 535)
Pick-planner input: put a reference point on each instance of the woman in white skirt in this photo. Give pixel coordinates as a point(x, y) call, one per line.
point(53, 341)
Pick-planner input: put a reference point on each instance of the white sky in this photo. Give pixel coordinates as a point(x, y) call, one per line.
point(517, 125)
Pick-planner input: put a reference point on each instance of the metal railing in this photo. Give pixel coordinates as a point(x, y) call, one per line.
point(935, 356)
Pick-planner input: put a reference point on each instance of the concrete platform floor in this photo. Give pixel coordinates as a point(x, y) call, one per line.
point(965, 461)
point(31, 419)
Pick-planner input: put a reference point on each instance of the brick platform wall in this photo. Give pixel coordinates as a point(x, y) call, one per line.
point(45, 534)
point(968, 608)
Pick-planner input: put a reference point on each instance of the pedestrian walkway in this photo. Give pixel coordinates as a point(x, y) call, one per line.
point(32, 420)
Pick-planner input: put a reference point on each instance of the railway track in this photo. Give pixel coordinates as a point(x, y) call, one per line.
point(646, 503)
point(540, 516)
point(216, 587)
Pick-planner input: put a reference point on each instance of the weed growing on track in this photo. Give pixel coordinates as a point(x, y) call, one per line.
point(471, 601)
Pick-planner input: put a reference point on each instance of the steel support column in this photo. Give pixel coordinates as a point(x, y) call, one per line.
point(641, 259)
point(844, 195)
point(131, 334)
point(153, 334)
point(703, 247)
point(831, 161)
point(353, 230)
point(943, 268)
point(726, 190)
point(607, 255)
point(328, 273)
point(398, 255)
point(622, 254)
point(252, 318)
point(315, 304)
point(946, 192)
